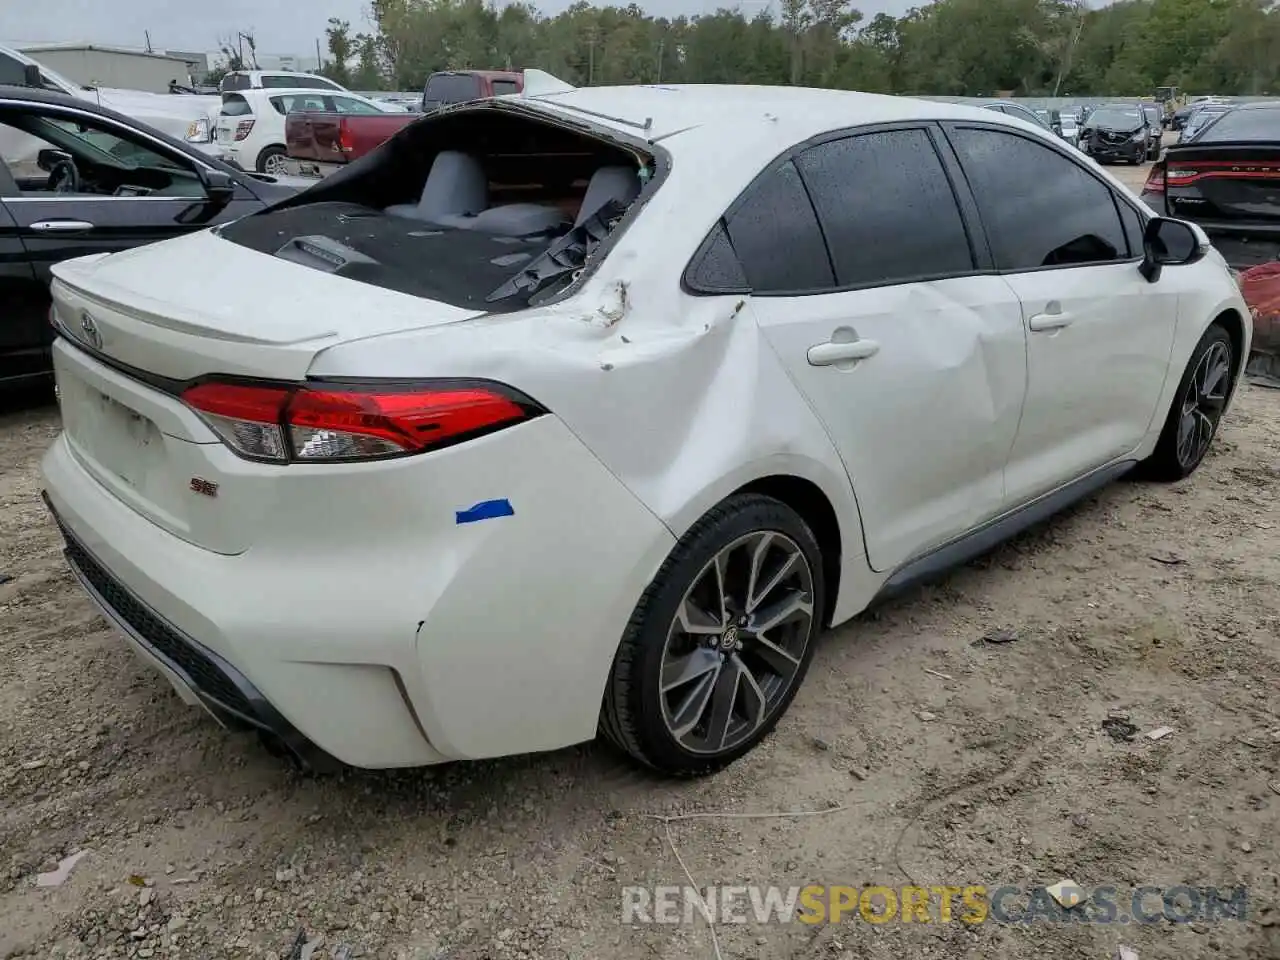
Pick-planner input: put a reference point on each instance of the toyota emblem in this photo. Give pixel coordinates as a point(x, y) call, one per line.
point(89, 327)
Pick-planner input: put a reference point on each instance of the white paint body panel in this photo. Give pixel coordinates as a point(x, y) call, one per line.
point(502, 632)
point(939, 402)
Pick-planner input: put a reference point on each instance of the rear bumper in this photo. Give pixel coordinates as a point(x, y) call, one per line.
point(198, 675)
point(413, 642)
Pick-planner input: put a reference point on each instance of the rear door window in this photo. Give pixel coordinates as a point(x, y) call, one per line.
point(352, 105)
point(303, 103)
point(234, 105)
point(774, 232)
point(1040, 208)
point(504, 87)
point(293, 81)
point(886, 208)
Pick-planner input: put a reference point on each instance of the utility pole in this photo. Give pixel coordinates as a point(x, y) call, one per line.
point(147, 34)
point(319, 59)
point(661, 43)
point(591, 59)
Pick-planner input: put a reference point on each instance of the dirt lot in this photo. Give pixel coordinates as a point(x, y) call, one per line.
point(954, 761)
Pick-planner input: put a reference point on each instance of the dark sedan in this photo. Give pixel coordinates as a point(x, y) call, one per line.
point(77, 179)
point(1117, 132)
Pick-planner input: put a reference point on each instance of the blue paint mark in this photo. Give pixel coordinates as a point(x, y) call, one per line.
point(485, 510)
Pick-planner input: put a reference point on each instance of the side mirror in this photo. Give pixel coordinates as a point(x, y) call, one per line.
point(48, 158)
point(219, 187)
point(1168, 243)
point(31, 76)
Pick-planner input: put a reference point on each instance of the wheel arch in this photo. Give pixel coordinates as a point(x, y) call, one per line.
point(827, 502)
point(808, 500)
point(1231, 321)
point(269, 149)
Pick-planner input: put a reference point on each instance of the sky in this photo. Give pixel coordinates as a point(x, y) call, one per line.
point(280, 26)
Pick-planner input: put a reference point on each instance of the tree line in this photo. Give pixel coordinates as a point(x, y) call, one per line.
point(944, 48)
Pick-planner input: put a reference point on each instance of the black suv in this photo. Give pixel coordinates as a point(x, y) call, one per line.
point(1118, 131)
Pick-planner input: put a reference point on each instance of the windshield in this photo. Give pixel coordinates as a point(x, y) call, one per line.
point(1123, 117)
point(1256, 124)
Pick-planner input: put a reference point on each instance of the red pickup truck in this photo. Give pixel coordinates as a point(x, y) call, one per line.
point(319, 143)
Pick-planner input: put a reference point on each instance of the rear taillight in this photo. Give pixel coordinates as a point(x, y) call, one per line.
point(243, 128)
point(1155, 179)
point(345, 144)
point(327, 423)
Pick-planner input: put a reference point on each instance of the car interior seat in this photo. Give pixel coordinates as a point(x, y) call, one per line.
point(456, 189)
point(608, 183)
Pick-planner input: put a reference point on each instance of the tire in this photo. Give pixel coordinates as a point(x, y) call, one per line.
point(269, 157)
point(1172, 461)
point(667, 730)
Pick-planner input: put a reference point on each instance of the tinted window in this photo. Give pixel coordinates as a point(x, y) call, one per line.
point(1119, 118)
point(715, 267)
point(234, 81)
point(1261, 123)
point(352, 105)
point(452, 88)
point(234, 105)
point(1022, 113)
point(503, 87)
point(1133, 227)
point(295, 82)
point(775, 234)
point(1040, 208)
point(886, 207)
point(303, 103)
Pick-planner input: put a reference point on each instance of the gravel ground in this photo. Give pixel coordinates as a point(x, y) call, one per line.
point(938, 758)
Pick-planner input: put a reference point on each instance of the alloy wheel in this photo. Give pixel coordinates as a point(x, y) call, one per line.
point(274, 165)
point(735, 646)
point(1203, 403)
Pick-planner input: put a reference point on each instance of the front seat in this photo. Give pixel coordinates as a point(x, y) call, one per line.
point(456, 189)
point(608, 183)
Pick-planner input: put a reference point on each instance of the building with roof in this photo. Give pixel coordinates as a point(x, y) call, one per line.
point(109, 66)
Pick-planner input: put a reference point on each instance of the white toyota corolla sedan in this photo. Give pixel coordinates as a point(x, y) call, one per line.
point(587, 411)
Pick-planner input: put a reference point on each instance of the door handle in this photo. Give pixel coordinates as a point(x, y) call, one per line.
point(825, 354)
point(61, 226)
point(1044, 322)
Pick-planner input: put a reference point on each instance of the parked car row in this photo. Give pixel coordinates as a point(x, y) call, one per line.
point(435, 377)
point(96, 182)
point(320, 142)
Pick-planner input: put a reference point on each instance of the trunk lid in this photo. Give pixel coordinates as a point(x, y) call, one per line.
point(1224, 182)
point(200, 304)
point(164, 322)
